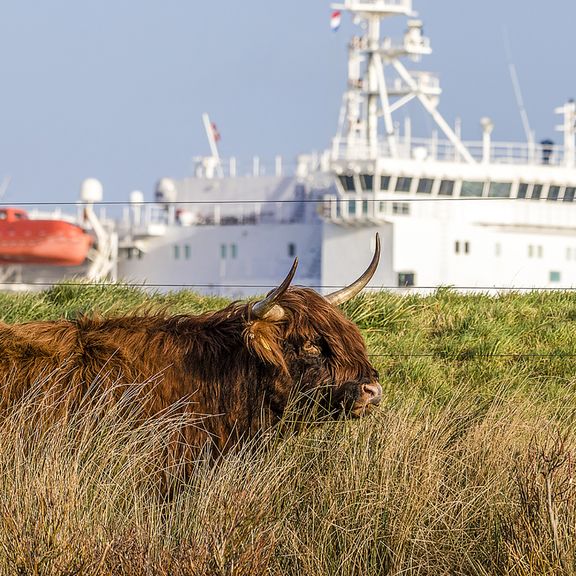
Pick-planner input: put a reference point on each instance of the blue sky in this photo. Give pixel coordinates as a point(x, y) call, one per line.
point(115, 89)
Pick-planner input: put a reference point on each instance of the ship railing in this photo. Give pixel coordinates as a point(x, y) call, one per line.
point(209, 167)
point(78, 217)
point(152, 219)
point(377, 5)
point(439, 150)
point(56, 214)
point(394, 48)
point(359, 212)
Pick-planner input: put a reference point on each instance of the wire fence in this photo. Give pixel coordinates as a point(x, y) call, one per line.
point(464, 356)
point(318, 287)
point(322, 200)
point(213, 286)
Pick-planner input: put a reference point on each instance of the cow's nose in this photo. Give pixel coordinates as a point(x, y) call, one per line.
point(372, 393)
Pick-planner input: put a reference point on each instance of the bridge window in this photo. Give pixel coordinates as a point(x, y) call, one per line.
point(472, 189)
point(187, 251)
point(446, 188)
point(365, 207)
point(522, 190)
point(425, 186)
point(406, 279)
point(176, 252)
point(554, 276)
point(291, 249)
point(535, 251)
point(400, 208)
point(367, 182)
point(347, 182)
point(536, 192)
point(224, 251)
point(351, 207)
point(499, 189)
point(403, 184)
point(463, 247)
point(553, 192)
point(569, 194)
point(384, 182)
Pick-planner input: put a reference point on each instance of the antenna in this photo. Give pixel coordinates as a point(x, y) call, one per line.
point(517, 91)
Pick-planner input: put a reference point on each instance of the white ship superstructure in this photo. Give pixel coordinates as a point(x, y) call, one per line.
point(200, 234)
point(473, 215)
point(468, 214)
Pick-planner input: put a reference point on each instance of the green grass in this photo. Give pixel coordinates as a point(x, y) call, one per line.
point(467, 468)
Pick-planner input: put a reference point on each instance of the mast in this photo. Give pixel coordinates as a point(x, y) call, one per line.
point(367, 127)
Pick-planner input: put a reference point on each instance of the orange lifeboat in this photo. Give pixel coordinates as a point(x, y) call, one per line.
point(48, 242)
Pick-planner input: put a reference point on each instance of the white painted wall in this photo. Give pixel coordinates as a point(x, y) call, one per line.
point(346, 253)
point(262, 258)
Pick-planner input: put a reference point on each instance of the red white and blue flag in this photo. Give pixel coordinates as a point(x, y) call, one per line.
point(335, 20)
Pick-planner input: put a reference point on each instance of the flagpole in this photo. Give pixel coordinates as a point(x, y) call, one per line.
point(212, 142)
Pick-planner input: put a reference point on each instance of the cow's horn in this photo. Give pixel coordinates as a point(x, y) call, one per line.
point(344, 294)
point(268, 308)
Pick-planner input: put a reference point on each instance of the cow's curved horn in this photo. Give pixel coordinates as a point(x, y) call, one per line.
point(344, 294)
point(267, 308)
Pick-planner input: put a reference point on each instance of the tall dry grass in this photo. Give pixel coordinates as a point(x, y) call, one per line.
point(464, 489)
point(467, 468)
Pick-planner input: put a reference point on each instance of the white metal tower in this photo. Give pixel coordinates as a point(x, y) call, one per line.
point(366, 126)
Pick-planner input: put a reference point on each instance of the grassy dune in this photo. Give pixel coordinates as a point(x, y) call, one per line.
point(467, 468)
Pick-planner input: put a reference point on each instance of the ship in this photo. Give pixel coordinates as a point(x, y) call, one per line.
point(475, 215)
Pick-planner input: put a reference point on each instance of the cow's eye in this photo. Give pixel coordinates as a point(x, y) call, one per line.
point(311, 349)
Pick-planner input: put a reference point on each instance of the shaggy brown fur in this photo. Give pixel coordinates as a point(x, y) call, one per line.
point(240, 372)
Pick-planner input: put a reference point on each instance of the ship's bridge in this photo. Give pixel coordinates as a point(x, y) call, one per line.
point(375, 194)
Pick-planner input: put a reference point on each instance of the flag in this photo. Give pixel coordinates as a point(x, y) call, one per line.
point(335, 20)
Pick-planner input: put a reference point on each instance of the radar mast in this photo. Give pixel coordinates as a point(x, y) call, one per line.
point(366, 127)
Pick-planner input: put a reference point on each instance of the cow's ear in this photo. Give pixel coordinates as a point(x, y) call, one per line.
point(263, 339)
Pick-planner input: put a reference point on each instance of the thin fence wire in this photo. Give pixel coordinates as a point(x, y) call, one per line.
point(404, 289)
point(462, 357)
point(266, 201)
point(212, 286)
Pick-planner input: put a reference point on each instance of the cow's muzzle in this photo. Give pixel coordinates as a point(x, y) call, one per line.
point(368, 398)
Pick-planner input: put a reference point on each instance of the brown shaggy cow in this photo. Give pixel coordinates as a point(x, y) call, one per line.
point(239, 366)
